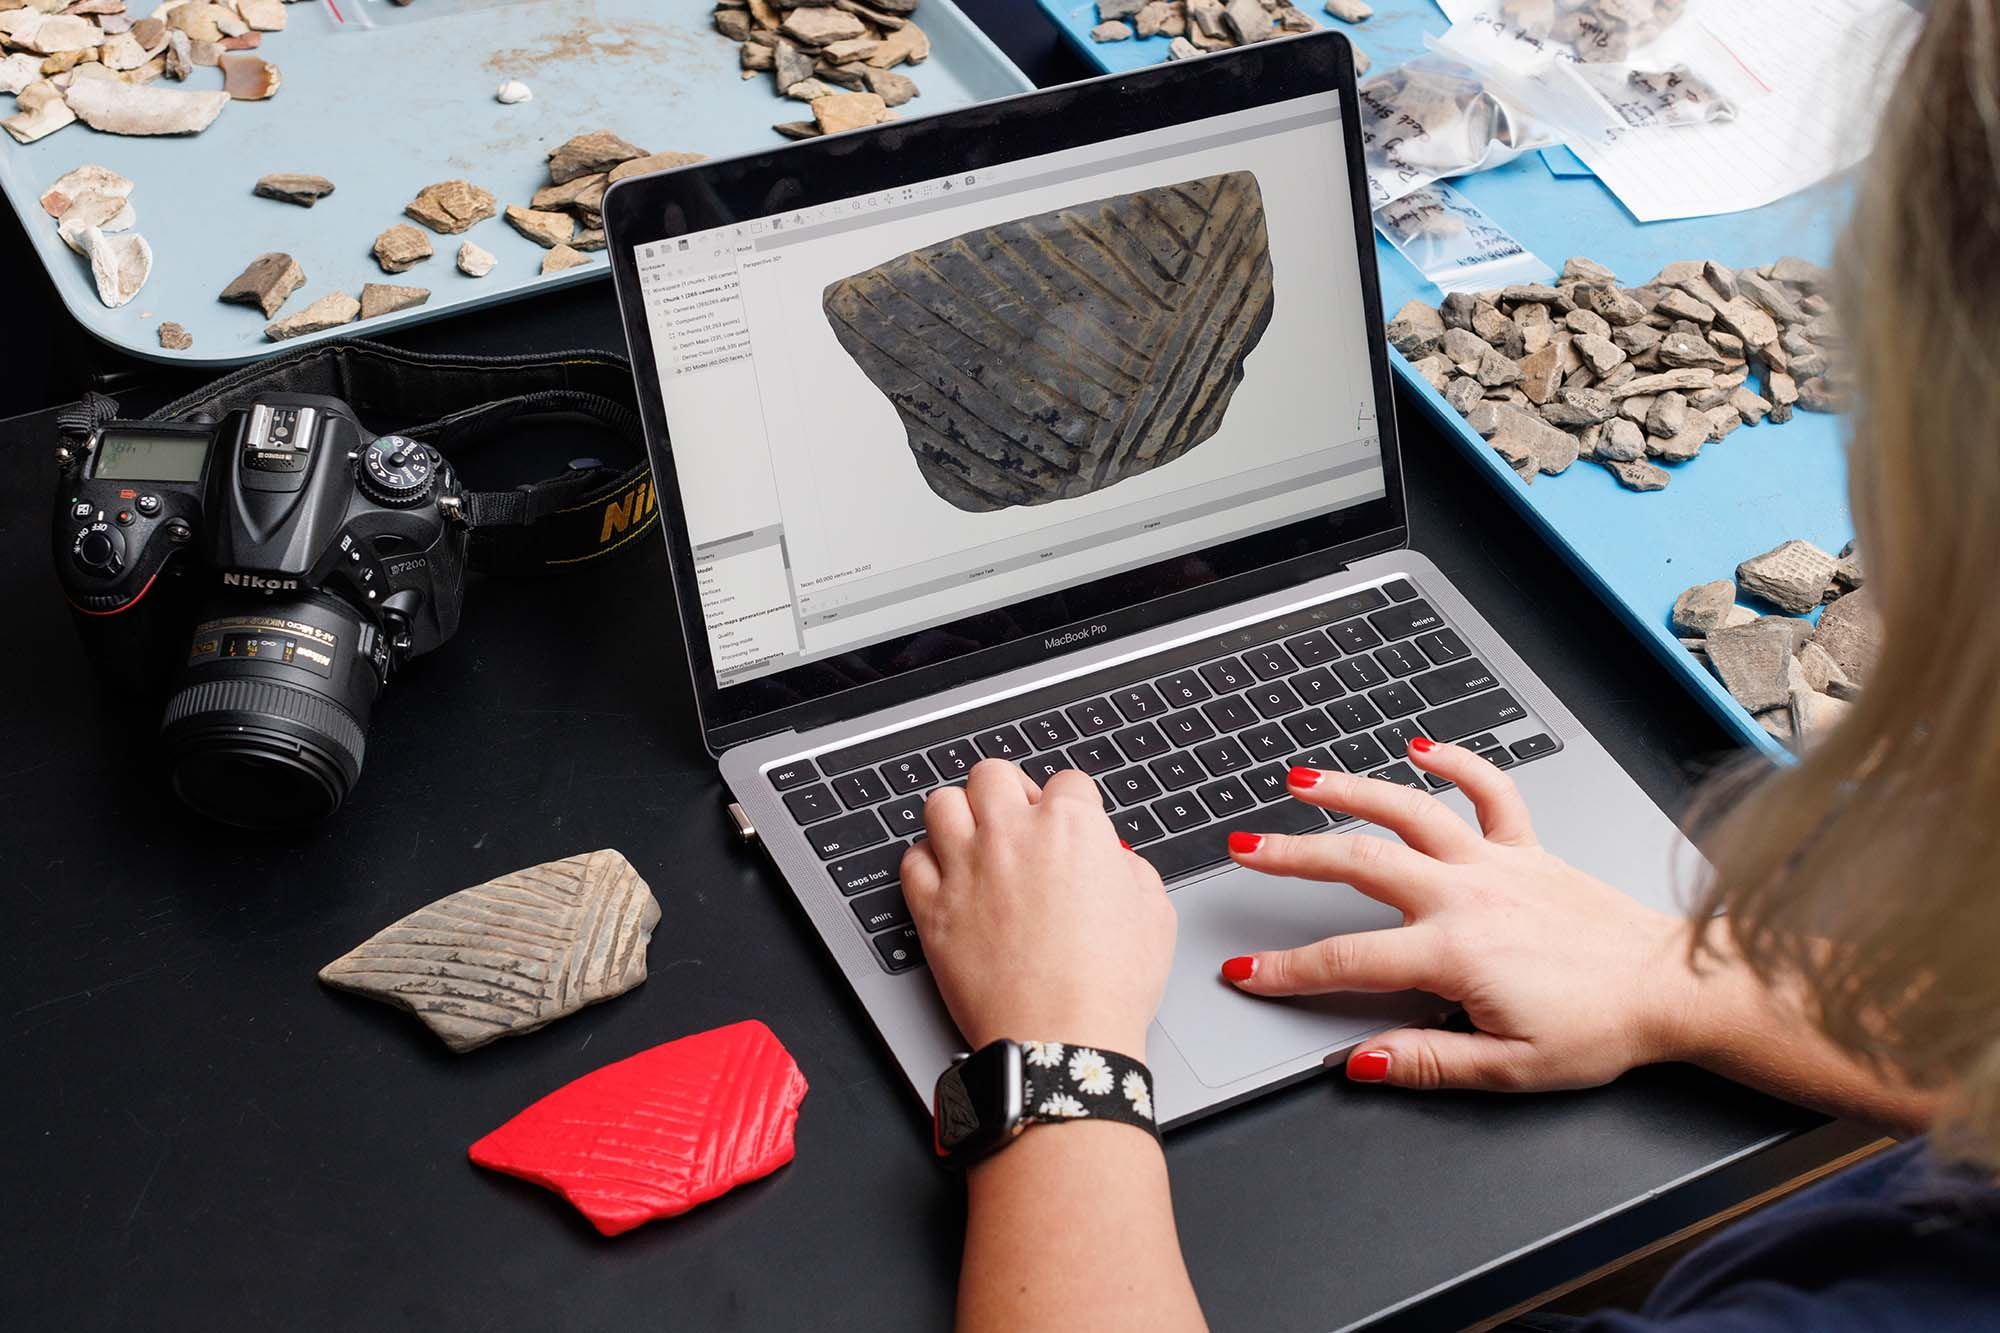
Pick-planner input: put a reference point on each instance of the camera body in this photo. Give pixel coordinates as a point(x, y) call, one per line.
point(264, 577)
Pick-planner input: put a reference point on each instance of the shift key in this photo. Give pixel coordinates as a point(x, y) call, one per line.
point(849, 833)
point(1482, 712)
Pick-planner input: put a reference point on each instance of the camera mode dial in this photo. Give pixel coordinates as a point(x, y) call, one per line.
point(99, 549)
point(398, 472)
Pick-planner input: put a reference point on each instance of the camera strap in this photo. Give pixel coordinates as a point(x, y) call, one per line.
point(588, 513)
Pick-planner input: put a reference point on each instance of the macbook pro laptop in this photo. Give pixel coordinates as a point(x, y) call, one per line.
point(1060, 429)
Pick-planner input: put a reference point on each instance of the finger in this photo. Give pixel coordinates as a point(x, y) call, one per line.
point(1370, 960)
point(1503, 815)
point(948, 820)
point(1418, 818)
point(997, 788)
point(1386, 871)
point(1073, 785)
point(1430, 1058)
point(921, 880)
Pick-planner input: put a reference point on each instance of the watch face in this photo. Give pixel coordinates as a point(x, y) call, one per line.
point(978, 1102)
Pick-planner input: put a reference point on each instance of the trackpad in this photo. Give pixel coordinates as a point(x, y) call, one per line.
point(1226, 1035)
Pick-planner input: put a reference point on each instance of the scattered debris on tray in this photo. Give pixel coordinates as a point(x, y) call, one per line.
point(291, 187)
point(1198, 26)
point(513, 91)
point(329, 312)
point(92, 208)
point(1632, 378)
point(265, 284)
point(1794, 677)
point(175, 338)
point(400, 246)
point(838, 56)
point(473, 261)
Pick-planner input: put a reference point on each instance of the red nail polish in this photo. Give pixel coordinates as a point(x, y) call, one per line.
point(1245, 843)
point(1126, 845)
point(1422, 745)
point(1239, 969)
point(1303, 777)
point(1368, 1066)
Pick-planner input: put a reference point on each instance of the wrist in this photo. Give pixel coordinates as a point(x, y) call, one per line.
point(1705, 987)
point(1100, 1032)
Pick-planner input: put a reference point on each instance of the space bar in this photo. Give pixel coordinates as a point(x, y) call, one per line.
point(1210, 846)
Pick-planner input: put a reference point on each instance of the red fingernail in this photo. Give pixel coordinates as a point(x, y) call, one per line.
point(1239, 969)
point(1368, 1066)
point(1303, 777)
point(1245, 843)
point(1126, 845)
point(1422, 745)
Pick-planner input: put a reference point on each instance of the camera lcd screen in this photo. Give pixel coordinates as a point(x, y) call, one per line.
point(130, 455)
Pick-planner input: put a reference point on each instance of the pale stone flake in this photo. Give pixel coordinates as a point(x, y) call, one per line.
point(116, 107)
point(120, 264)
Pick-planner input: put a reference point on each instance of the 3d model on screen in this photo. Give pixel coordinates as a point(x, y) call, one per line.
point(1055, 355)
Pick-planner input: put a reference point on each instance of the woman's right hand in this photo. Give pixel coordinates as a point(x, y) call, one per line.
point(1568, 981)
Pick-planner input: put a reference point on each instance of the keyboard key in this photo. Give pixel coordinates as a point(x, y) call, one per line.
point(953, 760)
point(1229, 714)
point(1268, 783)
point(1270, 662)
point(1359, 673)
point(1311, 728)
point(1354, 636)
point(870, 870)
point(1209, 846)
point(882, 909)
point(1137, 826)
point(1534, 747)
point(1497, 756)
point(1177, 772)
point(1181, 689)
point(1484, 741)
point(1318, 757)
point(812, 804)
point(1399, 590)
point(1270, 741)
point(1358, 753)
point(1274, 699)
point(1186, 727)
point(1400, 622)
point(1397, 700)
point(908, 774)
point(845, 835)
point(1400, 773)
point(1092, 716)
point(1318, 685)
point(1312, 649)
point(1042, 767)
point(1227, 676)
point(1141, 742)
point(1096, 756)
point(1222, 757)
point(1139, 702)
point(1442, 645)
point(1129, 786)
point(905, 817)
point(1400, 659)
point(1048, 731)
point(1455, 681)
point(863, 788)
point(1436, 783)
point(787, 776)
point(1354, 714)
point(1482, 712)
point(900, 948)
point(1396, 737)
point(1226, 798)
point(1001, 743)
point(1180, 813)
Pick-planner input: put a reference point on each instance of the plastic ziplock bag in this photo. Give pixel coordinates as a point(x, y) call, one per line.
point(1453, 242)
point(1598, 31)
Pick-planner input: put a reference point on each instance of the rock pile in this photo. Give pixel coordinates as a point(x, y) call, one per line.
point(1197, 26)
point(1627, 377)
point(838, 56)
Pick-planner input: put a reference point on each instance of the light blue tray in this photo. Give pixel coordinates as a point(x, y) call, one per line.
point(385, 110)
point(1744, 495)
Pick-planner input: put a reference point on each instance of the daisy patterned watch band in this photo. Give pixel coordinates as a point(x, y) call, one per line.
point(1083, 1083)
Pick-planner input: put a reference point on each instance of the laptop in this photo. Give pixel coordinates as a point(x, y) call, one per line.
point(1060, 429)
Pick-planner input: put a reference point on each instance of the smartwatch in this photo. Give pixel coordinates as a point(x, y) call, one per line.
point(984, 1101)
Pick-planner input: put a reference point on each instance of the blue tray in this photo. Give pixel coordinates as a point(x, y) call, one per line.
point(385, 100)
point(1744, 495)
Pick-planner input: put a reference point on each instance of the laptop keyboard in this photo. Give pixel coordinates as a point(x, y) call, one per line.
point(1184, 745)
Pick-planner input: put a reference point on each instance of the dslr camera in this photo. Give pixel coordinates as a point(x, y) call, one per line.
point(260, 578)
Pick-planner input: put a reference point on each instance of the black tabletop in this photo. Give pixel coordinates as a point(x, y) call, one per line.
point(202, 1134)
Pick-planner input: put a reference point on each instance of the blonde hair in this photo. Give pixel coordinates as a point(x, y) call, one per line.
point(1866, 872)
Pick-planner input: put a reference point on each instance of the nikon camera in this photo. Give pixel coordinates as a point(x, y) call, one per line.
point(259, 578)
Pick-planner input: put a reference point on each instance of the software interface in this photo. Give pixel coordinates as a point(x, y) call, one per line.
point(899, 409)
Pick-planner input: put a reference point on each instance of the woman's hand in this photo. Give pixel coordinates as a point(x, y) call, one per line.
point(1568, 981)
point(1038, 924)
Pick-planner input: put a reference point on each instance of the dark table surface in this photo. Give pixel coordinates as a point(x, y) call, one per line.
point(202, 1135)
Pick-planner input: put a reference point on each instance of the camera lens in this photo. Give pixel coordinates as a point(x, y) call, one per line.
point(269, 725)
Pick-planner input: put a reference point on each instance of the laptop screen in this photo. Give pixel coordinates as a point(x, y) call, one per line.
point(899, 409)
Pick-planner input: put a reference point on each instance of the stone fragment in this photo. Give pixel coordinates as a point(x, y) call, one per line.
point(1690, 378)
point(756, 56)
point(1248, 21)
point(568, 196)
point(543, 228)
point(641, 166)
point(1669, 415)
point(265, 284)
point(798, 129)
point(173, 337)
point(512, 92)
point(851, 77)
point(1814, 713)
point(1816, 395)
point(1754, 662)
point(248, 41)
point(1640, 475)
point(1704, 607)
point(1684, 444)
point(589, 154)
point(513, 954)
point(1722, 419)
point(907, 45)
point(1158, 17)
point(399, 247)
point(119, 264)
point(809, 91)
point(1613, 305)
point(330, 311)
point(1518, 434)
point(72, 185)
point(1180, 48)
point(1113, 31)
point(40, 110)
point(449, 207)
point(106, 212)
point(1579, 407)
point(1821, 672)
point(733, 24)
point(1750, 406)
point(208, 55)
point(262, 15)
point(1809, 278)
point(587, 238)
point(381, 298)
point(1588, 272)
point(1777, 722)
point(474, 261)
point(1747, 321)
point(1782, 389)
point(817, 25)
point(1679, 305)
point(249, 78)
point(1680, 349)
point(1621, 442)
point(1600, 354)
point(116, 107)
point(854, 48)
point(1435, 369)
point(1850, 632)
point(791, 66)
point(1349, 11)
point(51, 34)
point(894, 89)
point(122, 52)
point(561, 257)
point(1791, 576)
point(293, 188)
point(18, 71)
point(1495, 370)
point(1457, 310)
point(1416, 330)
point(1541, 374)
point(1464, 393)
point(849, 111)
point(1772, 298)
